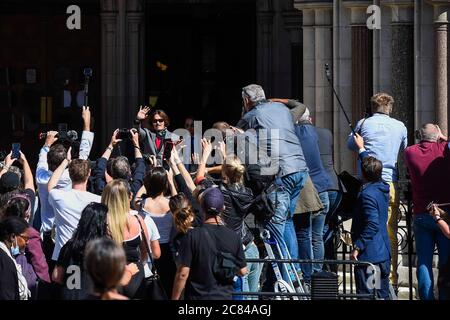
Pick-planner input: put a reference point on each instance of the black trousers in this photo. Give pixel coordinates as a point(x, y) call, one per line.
point(166, 268)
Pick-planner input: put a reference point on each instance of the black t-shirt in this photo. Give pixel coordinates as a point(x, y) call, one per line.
point(197, 253)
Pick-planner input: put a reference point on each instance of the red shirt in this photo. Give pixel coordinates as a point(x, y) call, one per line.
point(158, 143)
point(428, 164)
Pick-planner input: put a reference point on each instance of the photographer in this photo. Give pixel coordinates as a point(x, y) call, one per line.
point(287, 163)
point(50, 157)
point(154, 140)
point(119, 167)
point(384, 138)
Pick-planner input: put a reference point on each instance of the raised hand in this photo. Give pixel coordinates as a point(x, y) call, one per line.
point(359, 141)
point(114, 139)
point(51, 138)
point(22, 158)
point(135, 137)
point(86, 115)
point(143, 113)
point(9, 160)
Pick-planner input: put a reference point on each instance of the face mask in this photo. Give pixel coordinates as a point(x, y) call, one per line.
point(15, 249)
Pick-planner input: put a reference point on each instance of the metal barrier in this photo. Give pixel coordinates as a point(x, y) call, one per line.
point(341, 295)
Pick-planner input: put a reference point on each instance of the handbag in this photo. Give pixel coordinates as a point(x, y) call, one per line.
point(262, 207)
point(152, 285)
point(225, 267)
point(349, 198)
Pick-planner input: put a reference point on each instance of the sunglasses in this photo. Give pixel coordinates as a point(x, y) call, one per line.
point(158, 120)
point(25, 238)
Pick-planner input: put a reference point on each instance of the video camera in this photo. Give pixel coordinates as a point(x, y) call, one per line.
point(62, 135)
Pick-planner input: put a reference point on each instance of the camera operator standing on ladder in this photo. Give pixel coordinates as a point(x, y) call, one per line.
point(155, 140)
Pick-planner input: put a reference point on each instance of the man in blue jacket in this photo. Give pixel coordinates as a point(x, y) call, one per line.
point(369, 231)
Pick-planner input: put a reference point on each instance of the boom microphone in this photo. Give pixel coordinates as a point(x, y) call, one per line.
point(330, 81)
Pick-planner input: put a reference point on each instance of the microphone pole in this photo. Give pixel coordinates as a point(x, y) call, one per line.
point(330, 81)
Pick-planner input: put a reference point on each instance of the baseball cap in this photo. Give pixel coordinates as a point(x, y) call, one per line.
point(9, 181)
point(212, 200)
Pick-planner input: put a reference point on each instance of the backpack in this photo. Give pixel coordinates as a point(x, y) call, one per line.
point(262, 207)
point(224, 266)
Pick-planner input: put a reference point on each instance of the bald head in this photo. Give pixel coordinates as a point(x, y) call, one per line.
point(429, 132)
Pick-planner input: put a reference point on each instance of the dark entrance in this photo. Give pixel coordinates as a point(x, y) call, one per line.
point(41, 58)
point(198, 57)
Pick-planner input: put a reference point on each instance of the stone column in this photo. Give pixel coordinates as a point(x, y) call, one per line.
point(264, 22)
point(402, 72)
point(441, 68)
point(109, 97)
point(135, 30)
point(317, 51)
point(342, 67)
point(324, 54)
point(122, 63)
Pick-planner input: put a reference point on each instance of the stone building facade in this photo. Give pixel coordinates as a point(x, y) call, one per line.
point(407, 57)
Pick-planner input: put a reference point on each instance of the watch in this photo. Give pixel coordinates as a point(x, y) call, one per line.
point(438, 219)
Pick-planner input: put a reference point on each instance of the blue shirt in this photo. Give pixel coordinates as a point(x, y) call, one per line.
point(309, 140)
point(384, 137)
point(276, 137)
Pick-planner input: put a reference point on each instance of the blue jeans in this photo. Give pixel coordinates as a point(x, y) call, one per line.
point(428, 235)
point(238, 287)
point(309, 232)
point(250, 282)
point(284, 198)
point(335, 198)
point(364, 280)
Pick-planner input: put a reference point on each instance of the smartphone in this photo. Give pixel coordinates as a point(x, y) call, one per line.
point(15, 151)
point(62, 131)
point(168, 146)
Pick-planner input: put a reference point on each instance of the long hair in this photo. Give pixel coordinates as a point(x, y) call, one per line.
point(93, 224)
point(233, 170)
point(116, 197)
point(182, 212)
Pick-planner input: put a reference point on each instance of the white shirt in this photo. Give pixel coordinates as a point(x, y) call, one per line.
point(68, 205)
point(153, 234)
point(43, 175)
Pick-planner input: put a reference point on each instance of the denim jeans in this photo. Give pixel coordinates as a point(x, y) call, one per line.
point(365, 283)
point(428, 235)
point(334, 200)
point(330, 228)
point(238, 287)
point(250, 282)
point(284, 198)
point(309, 232)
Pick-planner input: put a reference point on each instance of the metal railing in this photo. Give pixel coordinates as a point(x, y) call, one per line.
point(341, 295)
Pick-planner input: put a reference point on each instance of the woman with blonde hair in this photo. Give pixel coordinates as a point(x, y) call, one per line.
point(125, 228)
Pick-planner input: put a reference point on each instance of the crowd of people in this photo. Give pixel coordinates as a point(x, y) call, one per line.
point(187, 212)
